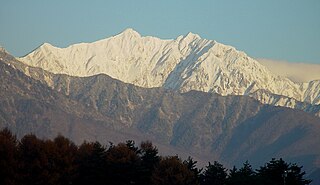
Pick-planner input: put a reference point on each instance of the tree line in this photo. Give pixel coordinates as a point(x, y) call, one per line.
point(59, 161)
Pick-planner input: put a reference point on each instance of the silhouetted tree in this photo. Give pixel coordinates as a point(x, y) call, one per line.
point(191, 165)
point(59, 161)
point(8, 158)
point(36, 166)
point(278, 172)
point(215, 174)
point(91, 164)
point(171, 170)
point(123, 164)
point(244, 176)
point(132, 146)
point(64, 157)
point(149, 154)
point(150, 158)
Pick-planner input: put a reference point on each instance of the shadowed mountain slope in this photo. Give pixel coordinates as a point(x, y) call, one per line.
point(231, 129)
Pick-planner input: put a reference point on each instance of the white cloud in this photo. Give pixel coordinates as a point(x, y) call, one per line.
point(298, 72)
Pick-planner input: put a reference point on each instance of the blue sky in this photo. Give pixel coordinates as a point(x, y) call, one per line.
point(274, 29)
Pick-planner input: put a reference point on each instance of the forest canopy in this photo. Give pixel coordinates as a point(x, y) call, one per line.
point(59, 161)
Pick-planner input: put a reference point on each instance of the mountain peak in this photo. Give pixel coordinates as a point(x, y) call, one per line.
point(192, 36)
point(130, 32)
point(46, 45)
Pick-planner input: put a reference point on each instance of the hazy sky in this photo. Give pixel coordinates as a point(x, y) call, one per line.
point(275, 29)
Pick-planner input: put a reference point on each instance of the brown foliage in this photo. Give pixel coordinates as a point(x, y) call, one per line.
point(172, 171)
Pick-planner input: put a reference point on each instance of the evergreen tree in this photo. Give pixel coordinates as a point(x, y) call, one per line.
point(215, 174)
point(59, 161)
point(8, 158)
point(91, 163)
point(278, 172)
point(149, 155)
point(191, 165)
point(131, 145)
point(150, 158)
point(244, 176)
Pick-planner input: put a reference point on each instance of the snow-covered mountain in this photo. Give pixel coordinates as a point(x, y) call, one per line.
point(185, 63)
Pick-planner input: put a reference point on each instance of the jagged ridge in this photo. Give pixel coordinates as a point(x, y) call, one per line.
point(186, 63)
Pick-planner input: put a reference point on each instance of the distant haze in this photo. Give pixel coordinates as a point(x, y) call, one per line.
point(298, 72)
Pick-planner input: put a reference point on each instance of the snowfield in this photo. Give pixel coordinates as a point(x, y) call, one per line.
point(186, 63)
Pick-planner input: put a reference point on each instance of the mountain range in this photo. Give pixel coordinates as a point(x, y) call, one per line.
point(189, 95)
point(186, 63)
